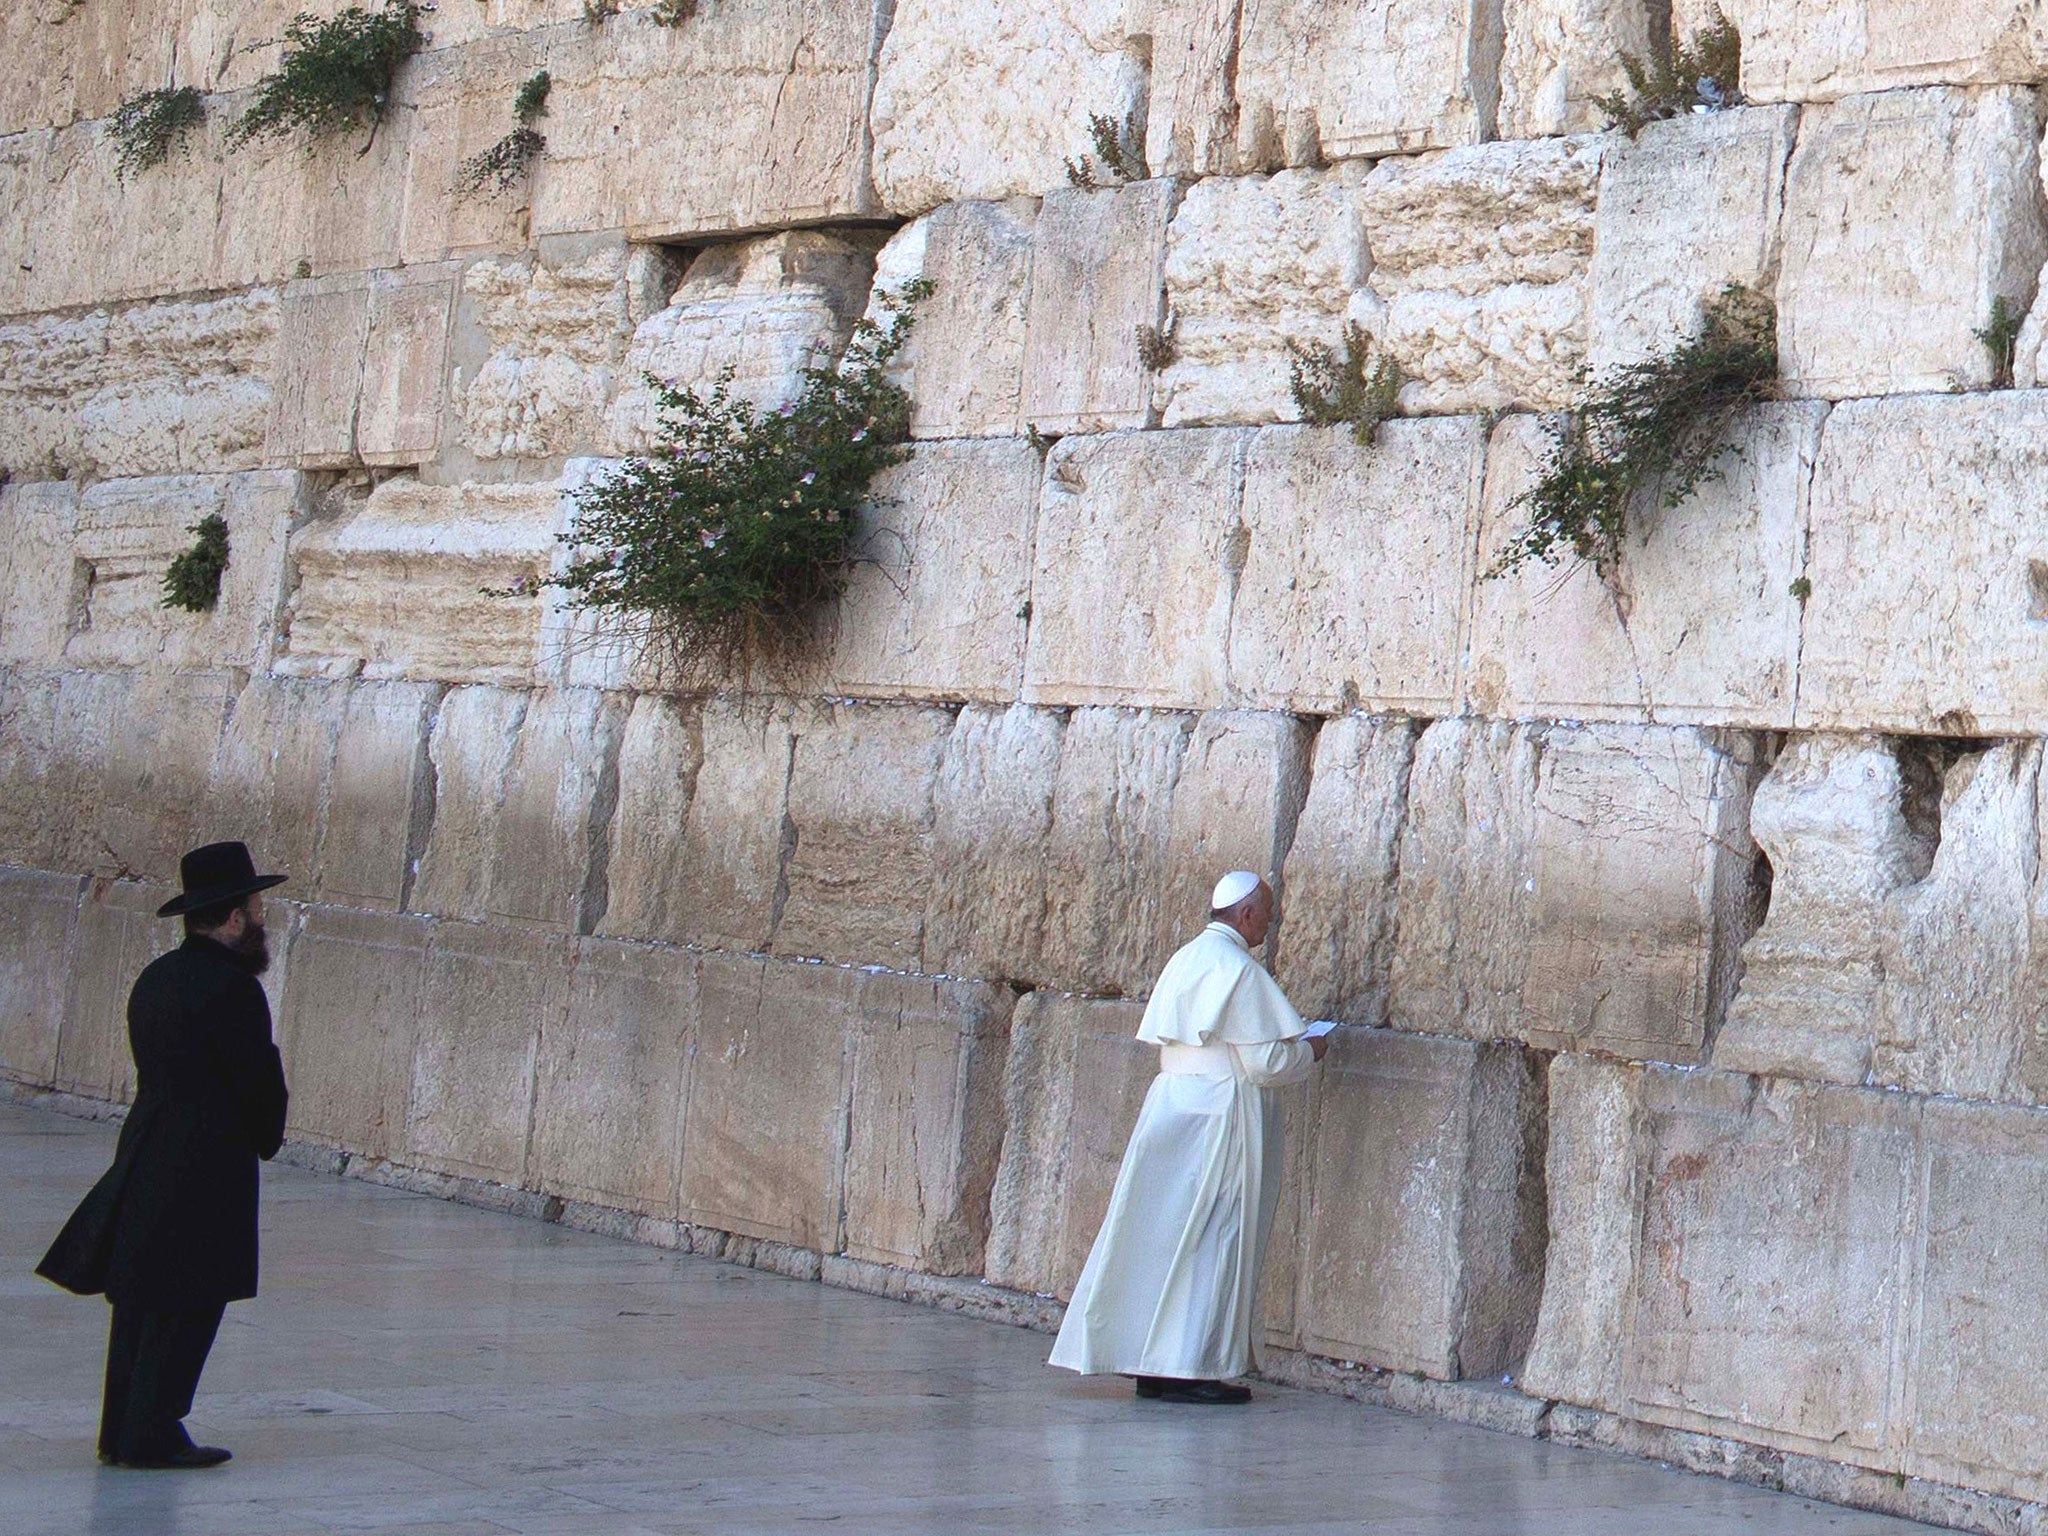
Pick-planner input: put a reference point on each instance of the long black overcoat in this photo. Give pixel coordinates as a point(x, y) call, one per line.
point(173, 1223)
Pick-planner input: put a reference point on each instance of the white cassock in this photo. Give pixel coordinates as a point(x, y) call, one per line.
point(1171, 1282)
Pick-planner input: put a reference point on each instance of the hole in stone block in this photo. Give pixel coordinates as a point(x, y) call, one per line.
point(2037, 591)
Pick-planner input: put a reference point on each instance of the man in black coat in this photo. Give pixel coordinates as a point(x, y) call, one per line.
point(169, 1233)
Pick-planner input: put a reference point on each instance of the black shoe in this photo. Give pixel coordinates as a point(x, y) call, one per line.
point(1149, 1386)
point(178, 1458)
point(1214, 1392)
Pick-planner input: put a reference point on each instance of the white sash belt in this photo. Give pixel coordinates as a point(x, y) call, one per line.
point(1198, 1060)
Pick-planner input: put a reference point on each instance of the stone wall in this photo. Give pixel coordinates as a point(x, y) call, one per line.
point(1682, 924)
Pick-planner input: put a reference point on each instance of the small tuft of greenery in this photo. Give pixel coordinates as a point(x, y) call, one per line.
point(673, 13)
point(1156, 347)
point(2001, 338)
point(193, 580)
point(1355, 388)
point(1705, 71)
point(335, 74)
point(1119, 154)
point(1041, 442)
point(597, 12)
point(146, 128)
point(717, 549)
point(501, 167)
point(1663, 421)
point(531, 101)
point(1800, 588)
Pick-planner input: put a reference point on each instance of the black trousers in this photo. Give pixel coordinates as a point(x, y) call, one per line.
point(153, 1363)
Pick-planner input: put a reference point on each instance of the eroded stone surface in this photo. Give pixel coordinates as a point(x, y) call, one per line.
point(1801, 52)
point(38, 581)
point(661, 750)
point(1559, 57)
point(38, 921)
point(379, 794)
point(118, 933)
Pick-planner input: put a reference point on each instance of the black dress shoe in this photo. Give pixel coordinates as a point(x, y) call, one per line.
point(1219, 1393)
point(179, 1458)
point(1149, 1386)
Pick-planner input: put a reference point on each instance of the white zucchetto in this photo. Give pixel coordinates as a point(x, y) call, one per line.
point(1232, 889)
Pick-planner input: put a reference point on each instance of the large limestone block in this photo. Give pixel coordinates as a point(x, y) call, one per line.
point(413, 584)
point(751, 116)
point(1138, 542)
point(1423, 1229)
point(1191, 88)
point(1576, 887)
point(403, 393)
point(270, 772)
point(1336, 941)
point(475, 733)
point(1711, 185)
point(608, 1101)
point(765, 1128)
point(1256, 266)
point(379, 795)
point(1097, 278)
point(1073, 1083)
point(1846, 821)
point(53, 732)
point(350, 1020)
point(1482, 257)
point(1319, 82)
point(461, 98)
point(323, 323)
point(765, 310)
point(1907, 213)
point(937, 608)
point(1372, 618)
point(861, 809)
point(1559, 57)
point(992, 817)
point(41, 90)
point(118, 933)
point(1699, 623)
point(925, 1121)
point(963, 364)
point(127, 534)
point(661, 751)
point(1925, 532)
point(488, 996)
point(728, 891)
point(1794, 51)
point(38, 922)
point(983, 99)
point(148, 771)
point(179, 386)
point(38, 580)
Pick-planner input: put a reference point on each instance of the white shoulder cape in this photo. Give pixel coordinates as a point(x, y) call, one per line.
point(1214, 992)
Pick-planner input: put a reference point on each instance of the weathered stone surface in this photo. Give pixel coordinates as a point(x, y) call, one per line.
point(926, 1124)
point(1559, 57)
point(118, 933)
point(476, 731)
point(611, 1078)
point(1336, 941)
point(765, 309)
point(1138, 542)
point(487, 997)
point(728, 892)
point(1574, 887)
point(992, 814)
point(661, 750)
point(1371, 77)
point(1846, 822)
point(1894, 566)
point(1257, 266)
point(1191, 85)
point(51, 728)
point(398, 587)
point(1482, 257)
point(1803, 52)
point(1072, 1086)
point(146, 753)
point(379, 795)
point(1097, 278)
point(321, 328)
point(127, 533)
point(764, 1141)
point(1372, 618)
point(861, 790)
point(1709, 185)
point(1700, 622)
point(269, 774)
point(175, 387)
point(1907, 213)
point(349, 1025)
point(38, 590)
point(938, 606)
point(1423, 1226)
point(984, 100)
point(963, 364)
point(38, 921)
point(401, 398)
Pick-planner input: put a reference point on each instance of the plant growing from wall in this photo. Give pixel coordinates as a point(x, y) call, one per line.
point(1359, 387)
point(717, 549)
point(193, 580)
point(2001, 338)
point(1157, 349)
point(673, 13)
point(1704, 71)
point(146, 128)
point(335, 74)
point(1661, 423)
point(1119, 154)
point(505, 164)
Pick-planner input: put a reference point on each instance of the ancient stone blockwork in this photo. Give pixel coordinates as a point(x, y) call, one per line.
point(1685, 915)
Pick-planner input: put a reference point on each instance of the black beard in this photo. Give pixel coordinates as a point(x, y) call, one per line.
point(252, 949)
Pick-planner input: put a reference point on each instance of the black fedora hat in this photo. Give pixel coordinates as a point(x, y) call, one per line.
point(217, 873)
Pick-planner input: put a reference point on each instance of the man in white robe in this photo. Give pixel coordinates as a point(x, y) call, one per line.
point(1168, 1292)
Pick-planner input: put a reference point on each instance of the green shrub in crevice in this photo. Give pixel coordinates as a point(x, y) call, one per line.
point(718, 550)
point(505, 164)
point(193, 580)
point(146, 128)
point(1703, 72)
point(1119, 154)
point(2001, 338)
point(335, 74)
point(1663, 422)
point(1359, 387)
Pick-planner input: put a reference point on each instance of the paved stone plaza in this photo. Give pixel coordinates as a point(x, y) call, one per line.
point(415, 1366)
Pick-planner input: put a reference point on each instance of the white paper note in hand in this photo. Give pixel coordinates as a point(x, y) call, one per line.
point(1318, 1029)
